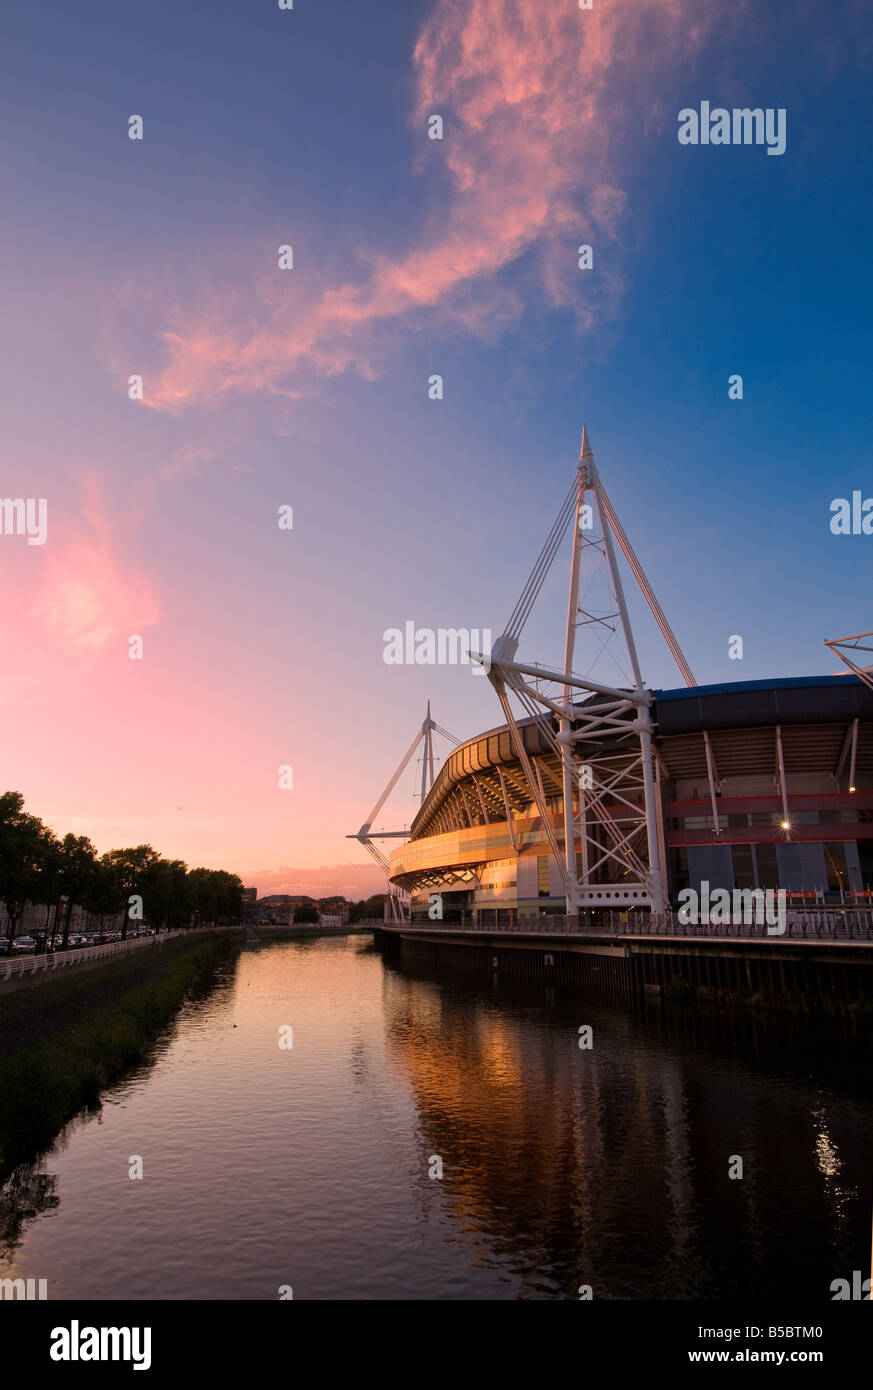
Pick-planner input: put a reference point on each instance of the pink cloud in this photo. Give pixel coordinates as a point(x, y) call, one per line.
point(535, 100)
point(352, 881)
point(89, 592)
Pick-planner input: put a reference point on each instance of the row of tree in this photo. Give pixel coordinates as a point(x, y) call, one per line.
point(37, 867)
point(368, 909)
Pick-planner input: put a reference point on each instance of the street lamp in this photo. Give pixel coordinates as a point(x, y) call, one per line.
point(58, 903)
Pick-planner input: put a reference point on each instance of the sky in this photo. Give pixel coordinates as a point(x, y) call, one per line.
point(308, 387)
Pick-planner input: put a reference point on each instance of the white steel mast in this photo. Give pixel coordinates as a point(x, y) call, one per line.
point(398, 900)
point(619, 861)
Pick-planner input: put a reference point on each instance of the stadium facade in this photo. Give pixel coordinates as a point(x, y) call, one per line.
point(793, 763)
point(597, 795)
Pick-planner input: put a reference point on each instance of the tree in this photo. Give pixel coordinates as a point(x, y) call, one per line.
point(131, 869)
point(306, 912)
point(76, 862)
point(204, 892)
point(368, 908)
point(180, 898)
point(103, 895)
point(36, 867)
point(166, 893)
point(26, 847)
point(229, 892)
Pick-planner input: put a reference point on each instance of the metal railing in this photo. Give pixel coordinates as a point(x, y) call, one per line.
point(823, 924)
point(49, 962)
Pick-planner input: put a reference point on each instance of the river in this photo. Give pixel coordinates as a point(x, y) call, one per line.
point(314, 1166)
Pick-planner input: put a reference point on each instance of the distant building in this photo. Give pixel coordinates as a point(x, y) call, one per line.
point(37, 916)
point(277, 909)
point(335, 907)
point(285, 900)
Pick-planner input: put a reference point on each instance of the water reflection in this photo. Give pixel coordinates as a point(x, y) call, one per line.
point(28, 1192)
point(611, 1167)
point(562, 1167)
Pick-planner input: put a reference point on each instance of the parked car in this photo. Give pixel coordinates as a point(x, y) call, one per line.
point(76, 940)
point(24, 943)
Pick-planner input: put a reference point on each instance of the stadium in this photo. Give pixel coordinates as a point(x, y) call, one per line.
point(793, 805)
point(615, 798)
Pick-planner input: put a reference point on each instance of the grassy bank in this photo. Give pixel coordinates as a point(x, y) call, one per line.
point(62, 1042)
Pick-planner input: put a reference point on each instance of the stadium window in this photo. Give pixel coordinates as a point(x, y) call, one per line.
point(744, 868)
point(543, 875)
point(738, 819)
point(679, 868)
point(835, 859)
point(768, 872)
point(865, 856)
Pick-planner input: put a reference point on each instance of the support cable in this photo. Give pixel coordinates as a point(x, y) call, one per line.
point(543, 564)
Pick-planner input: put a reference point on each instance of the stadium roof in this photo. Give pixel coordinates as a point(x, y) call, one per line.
point(739, 715)
point(741, 704)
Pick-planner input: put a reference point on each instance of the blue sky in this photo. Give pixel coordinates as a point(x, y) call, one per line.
point(264, 127)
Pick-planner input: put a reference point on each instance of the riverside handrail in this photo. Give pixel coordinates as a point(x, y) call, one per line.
point(825, 924)
point(48, 962)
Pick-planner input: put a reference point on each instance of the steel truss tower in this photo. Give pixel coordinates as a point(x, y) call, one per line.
point(399, 901)
point(612, 852)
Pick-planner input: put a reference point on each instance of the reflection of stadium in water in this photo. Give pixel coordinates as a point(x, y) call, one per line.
point(609, 1167)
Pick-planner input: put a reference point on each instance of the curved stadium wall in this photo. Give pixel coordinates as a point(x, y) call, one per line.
point(479, 842)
